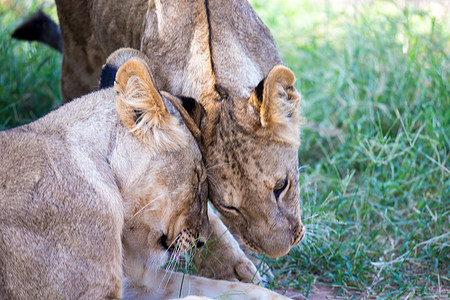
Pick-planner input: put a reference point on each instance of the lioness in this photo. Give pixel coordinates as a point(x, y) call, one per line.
point(143, 280)
point(98, 169)
point(219, 52)
point(117, 161)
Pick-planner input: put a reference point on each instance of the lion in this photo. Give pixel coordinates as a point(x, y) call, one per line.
point(220, 53)
point(144, 281)
point(114, 173)
point(95, 196)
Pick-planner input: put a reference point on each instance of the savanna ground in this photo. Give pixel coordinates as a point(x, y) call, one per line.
point(375, 146)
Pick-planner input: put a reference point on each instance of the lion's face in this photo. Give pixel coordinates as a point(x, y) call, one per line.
point(171, 215)
point(162, 177)
point(258, 192)
point(251, 157)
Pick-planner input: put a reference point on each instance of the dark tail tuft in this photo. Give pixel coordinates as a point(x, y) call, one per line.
point(42, 29)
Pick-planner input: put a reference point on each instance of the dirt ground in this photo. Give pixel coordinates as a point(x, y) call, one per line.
point(321, 291)
point(317, 292)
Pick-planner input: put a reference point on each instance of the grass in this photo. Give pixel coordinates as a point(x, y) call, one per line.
point(375, 170)
point(375, 148)
point(29, 73)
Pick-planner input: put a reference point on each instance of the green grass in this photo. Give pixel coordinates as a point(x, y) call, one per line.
point(375, 151)
point(375, 148)
point(29, 73)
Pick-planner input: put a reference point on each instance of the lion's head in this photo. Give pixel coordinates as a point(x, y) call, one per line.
point(165, 202)
point(250, 135)
point(250, 151)
point(195, 47)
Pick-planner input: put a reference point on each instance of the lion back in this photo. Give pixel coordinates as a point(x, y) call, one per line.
point(49, 229)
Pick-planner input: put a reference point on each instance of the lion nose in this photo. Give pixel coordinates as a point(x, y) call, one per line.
point(298, 234)
point(200, 243)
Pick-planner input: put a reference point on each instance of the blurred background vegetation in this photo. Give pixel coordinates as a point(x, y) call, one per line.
point(29, 73)
point(375, 146)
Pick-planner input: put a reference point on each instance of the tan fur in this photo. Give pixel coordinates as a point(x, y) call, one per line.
point(143, 280)
point(76, 185)
point(246, 161)
point(178, 284)
point(279, 105)
point(175, 36)
point(133, 83)
point(216, 51)
point(193, 121)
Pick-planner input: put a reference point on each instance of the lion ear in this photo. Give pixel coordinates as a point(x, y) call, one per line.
point(194, 109)
point(142, 109)
point(191, 111)
point(113, 63)
point(277, 100)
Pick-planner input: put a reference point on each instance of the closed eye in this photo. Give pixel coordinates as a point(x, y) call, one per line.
point(231, 208)
point(279, 188)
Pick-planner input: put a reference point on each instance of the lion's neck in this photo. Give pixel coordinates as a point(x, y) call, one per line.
point(177, 41)
point(196, 46)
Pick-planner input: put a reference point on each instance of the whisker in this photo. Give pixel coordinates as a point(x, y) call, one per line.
point(174, 240)
point(150, 202)
point(172, 268)
point(303, 167)
point(167, 271)
point(212, 161)
point(211, 179)
point(150, 209)
point(172, 261)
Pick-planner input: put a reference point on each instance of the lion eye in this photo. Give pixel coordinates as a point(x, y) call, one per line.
point(279, 188)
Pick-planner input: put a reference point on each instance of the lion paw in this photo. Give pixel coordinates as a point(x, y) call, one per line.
point(246, 271)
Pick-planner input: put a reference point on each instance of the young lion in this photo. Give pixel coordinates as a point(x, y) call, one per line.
point(79, 191)
point(114, 161)
point(145, 280)
point(220, 53)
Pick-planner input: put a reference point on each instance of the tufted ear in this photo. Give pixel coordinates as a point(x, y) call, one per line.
point(142, 109)
point(277, 100)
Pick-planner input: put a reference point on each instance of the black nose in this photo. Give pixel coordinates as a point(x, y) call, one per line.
point(163, 241)
point(200, 243)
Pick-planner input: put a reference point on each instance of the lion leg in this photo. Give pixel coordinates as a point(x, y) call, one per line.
point(80, 70)
point(263, 268)
point(162, 284)
point(221, 257)
point(82, 56)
